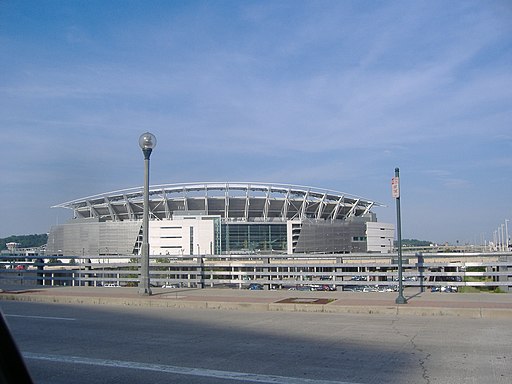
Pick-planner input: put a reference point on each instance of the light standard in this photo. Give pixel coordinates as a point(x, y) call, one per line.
point(395, 185)
point(500, 241)
point(502, 237)
point(506, 234)
point(147, 141)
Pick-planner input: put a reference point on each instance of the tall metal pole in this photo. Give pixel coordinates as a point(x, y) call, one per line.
point(147, 142)
point(500, 240)
point(396, 194)
point(502, 237)
point(506, 234)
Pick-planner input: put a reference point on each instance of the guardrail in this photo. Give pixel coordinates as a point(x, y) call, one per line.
point(320, 271)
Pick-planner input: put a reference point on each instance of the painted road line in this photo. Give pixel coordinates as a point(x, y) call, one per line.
point(42, 317)
point(211, 373)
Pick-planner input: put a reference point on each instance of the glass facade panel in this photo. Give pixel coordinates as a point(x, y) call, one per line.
point(191, 243)
point(253, 238)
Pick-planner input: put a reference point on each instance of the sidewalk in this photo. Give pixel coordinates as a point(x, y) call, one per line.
point(475, 305)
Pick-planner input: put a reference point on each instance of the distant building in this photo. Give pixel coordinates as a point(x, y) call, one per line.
point(222, 218)
point(12, 246)
point(27, 252)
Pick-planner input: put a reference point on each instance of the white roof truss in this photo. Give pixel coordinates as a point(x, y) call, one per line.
point(352, 211)
point(129, 208)
point(304, 204)
point(286, 204)
point(267, 205)
point(247, 204)
point(339, 204)
point(320, 208)
point(113, 214)
point(92, 210)
point(226, 202)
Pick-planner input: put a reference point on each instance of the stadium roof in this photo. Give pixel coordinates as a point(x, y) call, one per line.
point(235, 201)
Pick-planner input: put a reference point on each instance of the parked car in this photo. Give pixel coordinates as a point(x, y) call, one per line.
point(255, 287)
point(305, 288)
point(326, 287)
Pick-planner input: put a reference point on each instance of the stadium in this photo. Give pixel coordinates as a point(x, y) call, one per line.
point(222, 219)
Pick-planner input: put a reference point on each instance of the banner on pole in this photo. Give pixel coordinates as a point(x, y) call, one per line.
point(395, 187)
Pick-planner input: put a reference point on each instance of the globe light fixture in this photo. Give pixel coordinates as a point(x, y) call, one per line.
point(147, 141)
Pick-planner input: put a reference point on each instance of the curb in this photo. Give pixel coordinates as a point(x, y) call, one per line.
point(394, 310)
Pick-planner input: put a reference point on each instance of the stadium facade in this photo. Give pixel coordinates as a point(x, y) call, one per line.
point(220, 219)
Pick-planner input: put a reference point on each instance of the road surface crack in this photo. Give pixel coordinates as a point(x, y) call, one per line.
point(422, 356)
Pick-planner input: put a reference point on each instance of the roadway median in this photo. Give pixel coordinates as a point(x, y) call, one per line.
point(478, 305)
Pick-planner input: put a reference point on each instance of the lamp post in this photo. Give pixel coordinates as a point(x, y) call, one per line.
point(395, 185)
point(147, 141)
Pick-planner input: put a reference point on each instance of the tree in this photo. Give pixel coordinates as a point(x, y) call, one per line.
point(25, 241)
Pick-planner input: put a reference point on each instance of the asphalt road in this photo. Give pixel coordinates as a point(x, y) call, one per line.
point(115, 344)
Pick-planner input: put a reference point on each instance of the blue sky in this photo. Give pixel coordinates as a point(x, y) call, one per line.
point(329, 94)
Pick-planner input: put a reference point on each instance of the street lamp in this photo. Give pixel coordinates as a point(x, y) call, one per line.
point(147, 141)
